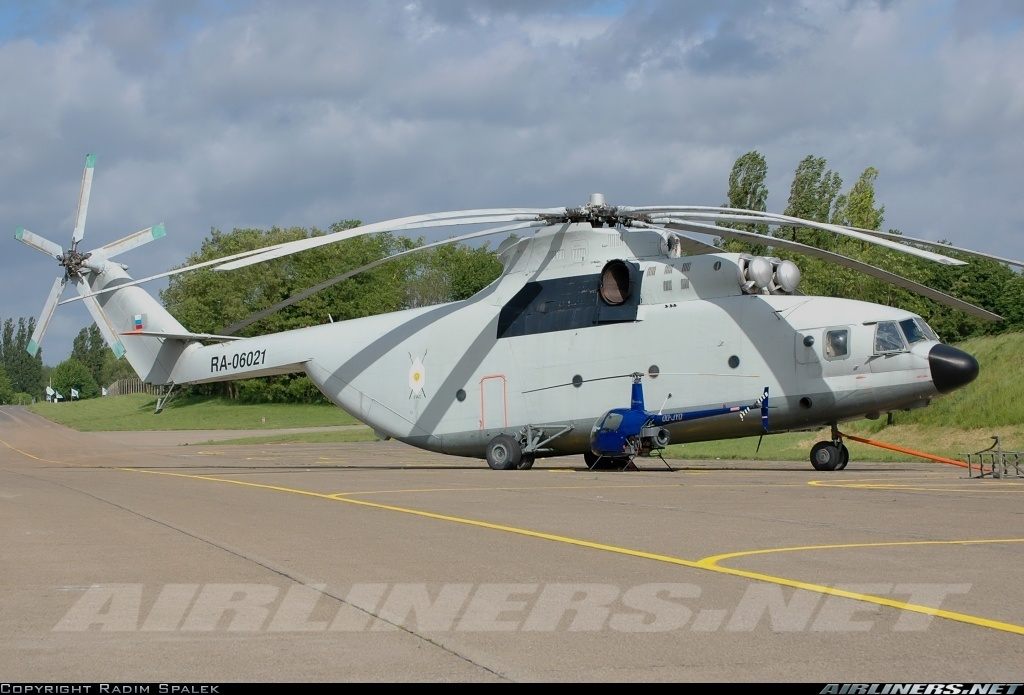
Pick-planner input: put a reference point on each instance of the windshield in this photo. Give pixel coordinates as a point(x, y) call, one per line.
point(611, 422)
point(912, 331)
point(916, 330)
point(888, 338)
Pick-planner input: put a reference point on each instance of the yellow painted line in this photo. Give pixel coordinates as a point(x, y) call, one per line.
point(712, 563)
point(844, 546)
point(991, 487)
point(709, 564)
point(25, 453)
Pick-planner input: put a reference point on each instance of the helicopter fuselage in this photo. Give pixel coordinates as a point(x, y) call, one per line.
point(551, 343)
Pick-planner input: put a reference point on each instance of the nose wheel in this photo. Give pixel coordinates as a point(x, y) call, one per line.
point(830, 456)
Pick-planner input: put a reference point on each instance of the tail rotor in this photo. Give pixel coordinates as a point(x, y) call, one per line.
point(78, 266)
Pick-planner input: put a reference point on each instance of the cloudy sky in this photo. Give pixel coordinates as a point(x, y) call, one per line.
point(223, 114)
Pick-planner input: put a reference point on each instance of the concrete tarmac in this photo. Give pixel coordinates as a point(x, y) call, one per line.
point(133, 557)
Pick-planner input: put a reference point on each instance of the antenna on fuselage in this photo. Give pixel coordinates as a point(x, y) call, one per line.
point(664, 403)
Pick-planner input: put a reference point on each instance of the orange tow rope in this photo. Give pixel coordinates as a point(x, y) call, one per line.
point(900, 449)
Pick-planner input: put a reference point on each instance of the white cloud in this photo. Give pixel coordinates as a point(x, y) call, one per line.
point(221, 114)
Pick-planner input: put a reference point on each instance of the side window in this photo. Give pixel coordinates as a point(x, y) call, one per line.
point(837, 343)
point(888, 338)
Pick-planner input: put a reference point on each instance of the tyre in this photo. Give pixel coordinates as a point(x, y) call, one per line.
point(825, 456)
point(503, 453)
point(844, 457)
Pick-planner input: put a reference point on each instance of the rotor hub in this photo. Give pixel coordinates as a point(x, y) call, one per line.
point(73, 262)
point(596, 212)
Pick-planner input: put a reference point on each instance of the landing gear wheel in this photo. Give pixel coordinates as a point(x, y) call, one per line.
point(526, 463)
point(844, 457)
point(503, 453)
point(590, 458)
point(825, 456)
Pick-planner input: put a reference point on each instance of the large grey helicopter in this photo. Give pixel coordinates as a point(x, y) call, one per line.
point(539, 363)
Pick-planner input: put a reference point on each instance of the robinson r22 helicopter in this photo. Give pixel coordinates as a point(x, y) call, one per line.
point(535, 365)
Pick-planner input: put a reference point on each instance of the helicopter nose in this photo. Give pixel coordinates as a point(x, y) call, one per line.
point(951, 368)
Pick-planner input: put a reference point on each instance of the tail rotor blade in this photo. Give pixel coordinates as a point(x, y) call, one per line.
point(128, 243)
point(44, 318)
point(109, 334)
point(37, 242)
point(83, 199)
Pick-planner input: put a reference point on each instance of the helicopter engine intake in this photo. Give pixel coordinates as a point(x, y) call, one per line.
point(757, 274)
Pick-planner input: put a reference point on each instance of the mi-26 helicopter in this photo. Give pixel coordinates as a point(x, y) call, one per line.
point(539, 363)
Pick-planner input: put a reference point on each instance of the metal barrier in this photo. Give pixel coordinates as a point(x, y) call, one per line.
point(995, 462)
point(129, 385)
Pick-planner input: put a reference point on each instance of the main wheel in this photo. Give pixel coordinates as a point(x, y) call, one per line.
point(503, 453)
point(825, 456)
point(526, 462)
point(844, 457)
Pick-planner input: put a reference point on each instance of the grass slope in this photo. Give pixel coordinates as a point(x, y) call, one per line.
point(135, 413)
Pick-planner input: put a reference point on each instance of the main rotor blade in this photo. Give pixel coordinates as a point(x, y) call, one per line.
point(688, 213)
point(845, 261)
point(132, 241)
point(235, 327)
point(37, 242)
point(939, 245)
point(83, 199)
point(169, 273)
point(439, 219)
point(108, 331)
point(44, 318)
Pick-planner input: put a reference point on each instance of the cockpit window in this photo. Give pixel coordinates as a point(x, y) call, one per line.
point(888, 338)
point(912, 331)
point(916, 330)
point(837, 343)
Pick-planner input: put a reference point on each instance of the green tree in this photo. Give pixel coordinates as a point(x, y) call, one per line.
point(747, 191)
point(24, 371)
point(1011, 303)
point(72, 374)
point(90, 349)
point(857, 208)
point(207, 301)
point(815, 195)
point(980, 282)
point(812, 196)
point(450, 274)
point(6, 390)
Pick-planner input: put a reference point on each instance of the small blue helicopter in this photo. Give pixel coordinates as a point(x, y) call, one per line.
point(624, 433)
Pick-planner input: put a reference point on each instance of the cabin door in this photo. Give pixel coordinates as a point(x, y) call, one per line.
point(493, 396)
